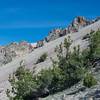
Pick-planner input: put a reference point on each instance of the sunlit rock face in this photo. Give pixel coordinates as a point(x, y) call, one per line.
point(78, 23)
point(56, 33)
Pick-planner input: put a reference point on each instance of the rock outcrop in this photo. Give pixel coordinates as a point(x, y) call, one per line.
point(6, 55)
point(77, 24)
point(13, 50)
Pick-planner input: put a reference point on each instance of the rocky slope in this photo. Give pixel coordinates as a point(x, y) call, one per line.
point(30, 59)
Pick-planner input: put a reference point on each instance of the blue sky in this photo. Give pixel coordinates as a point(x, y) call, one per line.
point(31, 20)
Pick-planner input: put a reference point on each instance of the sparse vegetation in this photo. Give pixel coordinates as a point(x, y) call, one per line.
point(69, 69)
point(42, 58)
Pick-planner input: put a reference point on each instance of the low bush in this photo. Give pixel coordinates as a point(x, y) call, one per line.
point(89, 80)
point(42, 58)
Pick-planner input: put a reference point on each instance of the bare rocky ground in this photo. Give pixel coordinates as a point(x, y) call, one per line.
point(30, 59)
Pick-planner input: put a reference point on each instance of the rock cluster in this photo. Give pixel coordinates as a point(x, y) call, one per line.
point(9, 52)
point(21, 48)
point(6, 55)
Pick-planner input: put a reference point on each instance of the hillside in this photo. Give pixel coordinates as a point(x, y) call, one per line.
point(30, 59)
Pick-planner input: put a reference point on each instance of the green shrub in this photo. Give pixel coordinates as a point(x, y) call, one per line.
point(44, 79)
point(22, 83)
point(71, 65)
point(58, 80)
point(89, 80)
point(42, 58)
point(95, 45)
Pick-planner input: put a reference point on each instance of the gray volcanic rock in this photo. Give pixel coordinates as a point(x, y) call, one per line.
point(56, 33)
